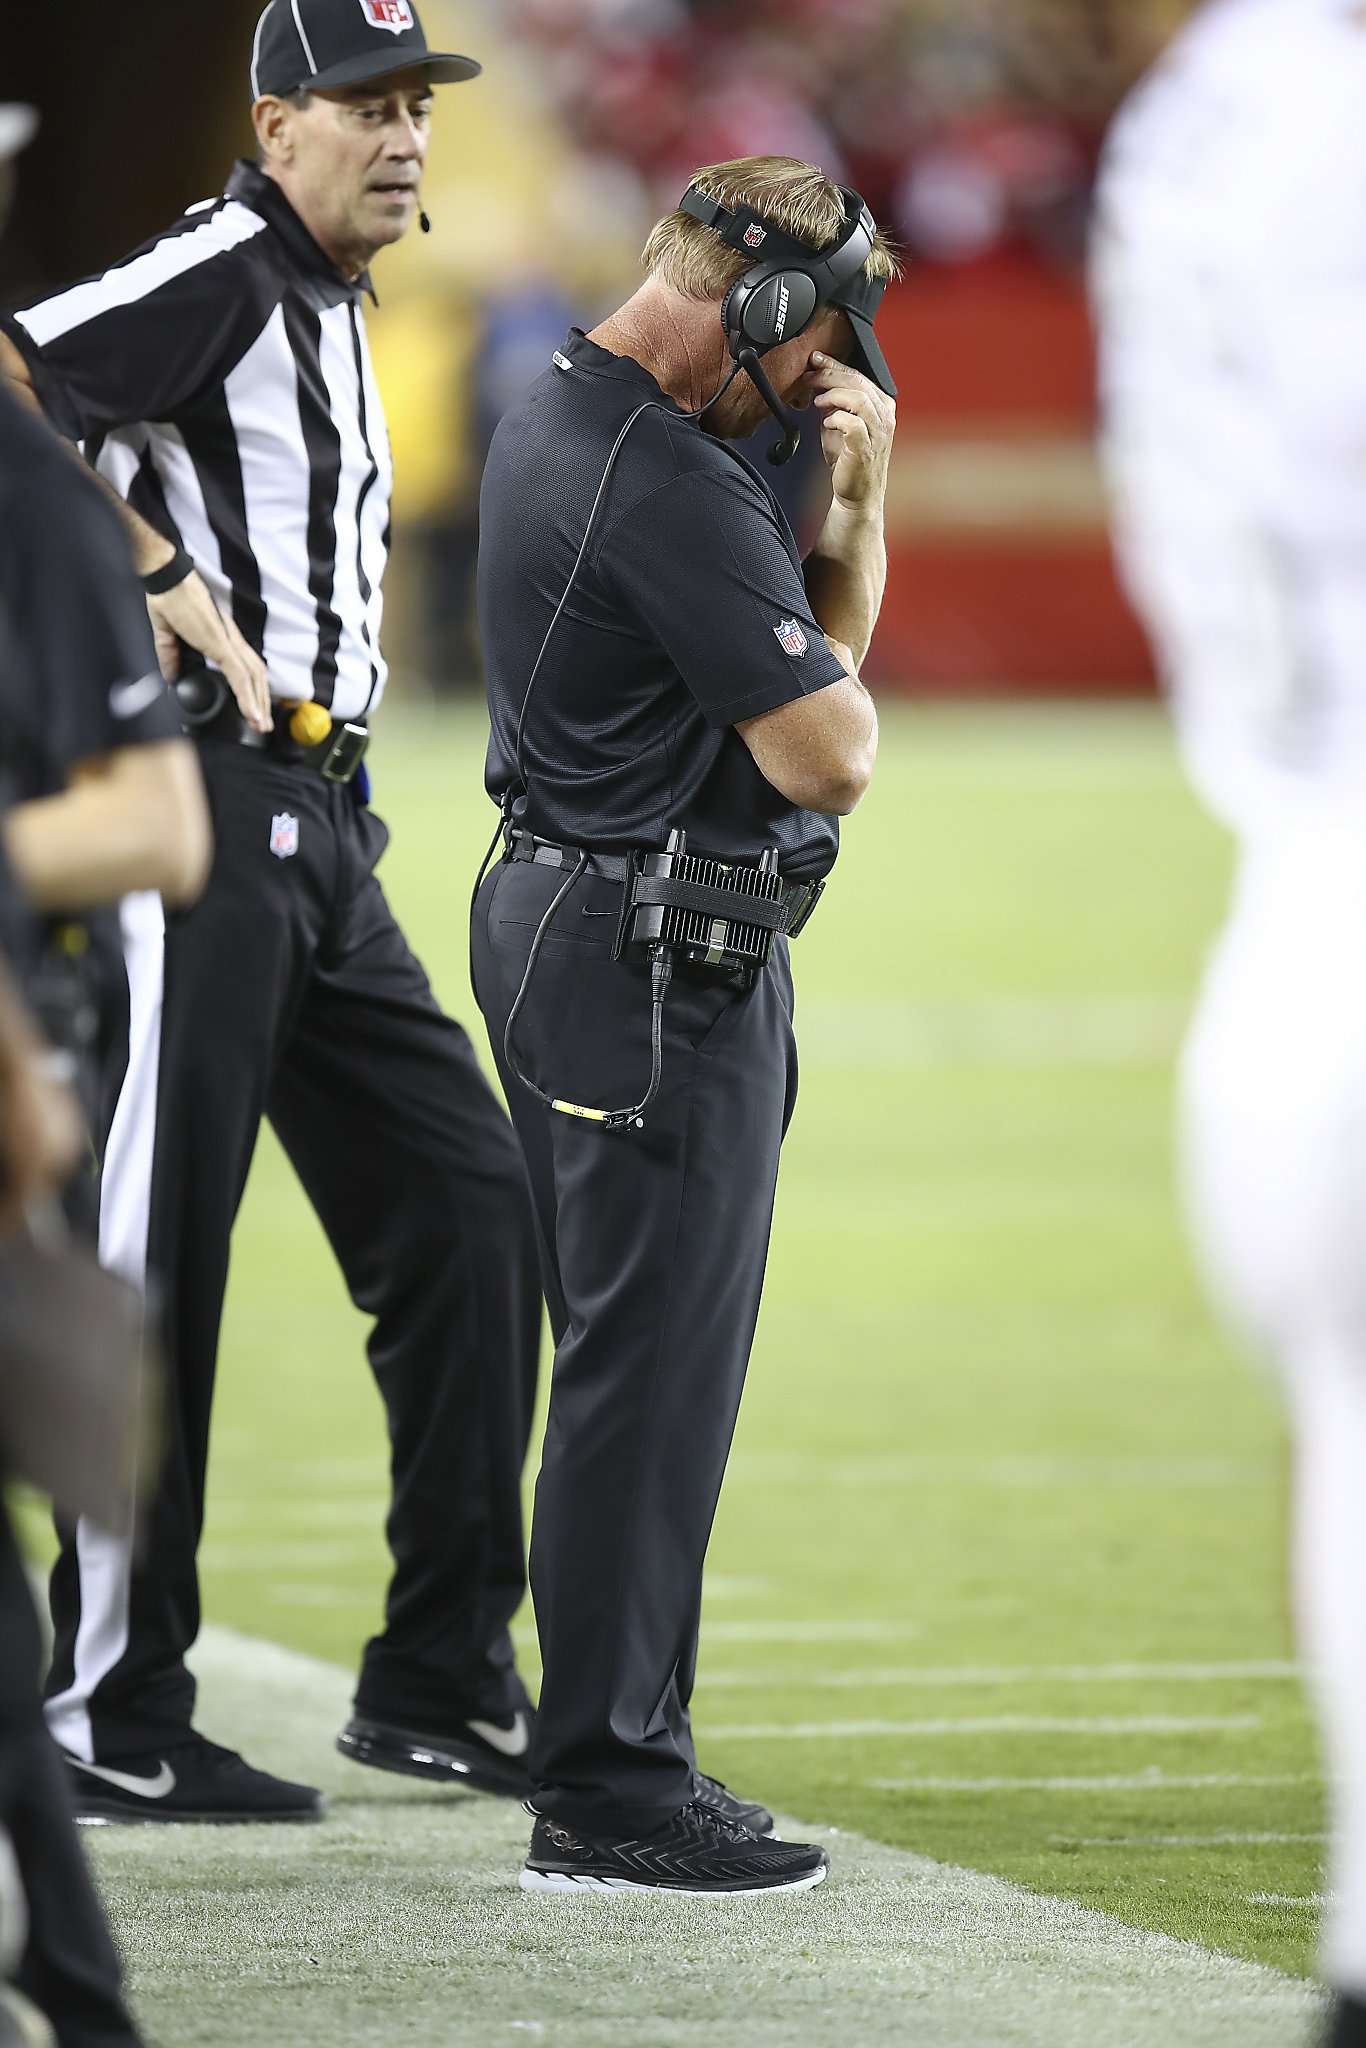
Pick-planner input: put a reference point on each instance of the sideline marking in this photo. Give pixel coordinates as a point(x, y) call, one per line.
point(316, 1908)
point(992, 1724)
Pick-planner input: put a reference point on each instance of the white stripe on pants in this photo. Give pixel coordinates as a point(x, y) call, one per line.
point(105, 1561)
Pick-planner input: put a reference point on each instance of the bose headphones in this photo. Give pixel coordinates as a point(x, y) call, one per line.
point(781, 293)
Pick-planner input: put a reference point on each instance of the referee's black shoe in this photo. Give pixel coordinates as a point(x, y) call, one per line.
point(483, 1756)
point(196, 1780)
point(696, 1852)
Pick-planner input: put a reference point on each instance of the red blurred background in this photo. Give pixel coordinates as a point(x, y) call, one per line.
point(971, 126)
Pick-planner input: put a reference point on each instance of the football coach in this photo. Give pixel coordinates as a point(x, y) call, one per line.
point(677, 723)
point(220, 381)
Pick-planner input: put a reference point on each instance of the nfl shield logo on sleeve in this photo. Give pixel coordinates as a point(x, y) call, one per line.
point(395, 15)
point(284, 835)
point(791, 636)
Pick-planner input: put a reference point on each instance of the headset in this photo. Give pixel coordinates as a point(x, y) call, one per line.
point(781, 293)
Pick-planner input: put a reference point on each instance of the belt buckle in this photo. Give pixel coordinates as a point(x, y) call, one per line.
point(814, 893)
point(344, 753)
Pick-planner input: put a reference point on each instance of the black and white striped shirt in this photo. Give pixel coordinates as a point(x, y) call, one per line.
point(221, 380)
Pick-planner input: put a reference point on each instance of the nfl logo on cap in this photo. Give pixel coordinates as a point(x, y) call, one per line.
point(284, 835)
point(791, 637)
point(395, 15)
point(754, 235)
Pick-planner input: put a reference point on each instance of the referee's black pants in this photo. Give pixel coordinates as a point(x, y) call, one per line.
point(653, 1246)
point(288, 990)
point(69, 1966)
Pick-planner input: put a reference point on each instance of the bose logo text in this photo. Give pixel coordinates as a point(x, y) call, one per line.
point(783, 296)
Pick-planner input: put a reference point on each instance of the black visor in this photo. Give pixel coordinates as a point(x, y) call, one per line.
point(859, 301)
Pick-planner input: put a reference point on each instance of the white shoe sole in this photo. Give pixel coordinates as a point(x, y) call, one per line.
point(563, 1881)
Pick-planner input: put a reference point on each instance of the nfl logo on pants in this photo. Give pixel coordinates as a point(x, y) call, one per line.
point(284, 835)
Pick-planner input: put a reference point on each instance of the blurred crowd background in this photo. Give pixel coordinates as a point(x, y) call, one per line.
point(973, 128)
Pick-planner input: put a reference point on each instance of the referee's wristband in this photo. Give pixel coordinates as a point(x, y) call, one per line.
point(169, 575)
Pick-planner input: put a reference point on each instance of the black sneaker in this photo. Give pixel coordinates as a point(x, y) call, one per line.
point(1347, 2023)
point(485, 1756)
point(695, 1852)
point(197, 1780)
point(740, 1813)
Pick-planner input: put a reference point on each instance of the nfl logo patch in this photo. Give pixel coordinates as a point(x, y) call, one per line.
point(395, 15)
point(755, 235)
point(284, 835)
point(791, 636)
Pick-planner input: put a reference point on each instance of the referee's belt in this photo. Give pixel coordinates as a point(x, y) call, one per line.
point(209, 711)
point(788, 913)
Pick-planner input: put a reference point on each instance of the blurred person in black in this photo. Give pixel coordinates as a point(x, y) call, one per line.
point(99, 793)
point(220, 382)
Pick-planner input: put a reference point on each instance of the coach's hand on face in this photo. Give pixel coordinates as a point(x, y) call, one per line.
point(189, 613)
point(858, 421)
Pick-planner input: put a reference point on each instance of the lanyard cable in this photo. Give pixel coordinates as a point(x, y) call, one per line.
point(661, 964)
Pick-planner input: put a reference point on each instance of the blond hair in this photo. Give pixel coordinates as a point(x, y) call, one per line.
point(781, 190)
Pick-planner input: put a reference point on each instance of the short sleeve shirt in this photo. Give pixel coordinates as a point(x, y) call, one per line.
point(78, 667)
point(688, 615)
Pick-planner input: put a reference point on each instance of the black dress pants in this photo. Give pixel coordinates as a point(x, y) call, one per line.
point(289, 990)
point(70, 1968)
point(653, 1245)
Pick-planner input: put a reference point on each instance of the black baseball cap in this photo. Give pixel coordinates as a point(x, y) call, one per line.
point(303, 44)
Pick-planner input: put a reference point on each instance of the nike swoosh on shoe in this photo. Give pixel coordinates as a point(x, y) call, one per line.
point(158, 1787)
point(513, 1741)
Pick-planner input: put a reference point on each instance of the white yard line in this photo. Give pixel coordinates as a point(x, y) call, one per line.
point(969, 1675)
point(987, 1724)
point(1192, 1472)
point(847, 1631)
point(400, 1919)
point(992, 1031)
point(1138, 1781)
point(1225, 1838)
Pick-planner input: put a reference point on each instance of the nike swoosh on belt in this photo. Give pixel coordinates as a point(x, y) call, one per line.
point(127, 699)
point(145, 1788)
point(513, 1741)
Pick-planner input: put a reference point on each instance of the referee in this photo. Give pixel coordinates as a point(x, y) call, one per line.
point(219, 380)
point(659, 659)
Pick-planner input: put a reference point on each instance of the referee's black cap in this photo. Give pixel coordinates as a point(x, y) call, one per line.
point(305, 44)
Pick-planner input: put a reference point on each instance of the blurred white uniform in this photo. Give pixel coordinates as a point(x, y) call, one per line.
point(1230, 280)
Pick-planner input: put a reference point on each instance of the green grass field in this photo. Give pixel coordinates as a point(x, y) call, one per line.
point(998, 1576)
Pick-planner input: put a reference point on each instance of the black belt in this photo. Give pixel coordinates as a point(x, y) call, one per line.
point(789, 913)
point(336, 758)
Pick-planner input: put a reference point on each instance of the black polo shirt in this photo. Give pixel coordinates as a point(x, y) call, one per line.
point(688, 614)
point(78, 668)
